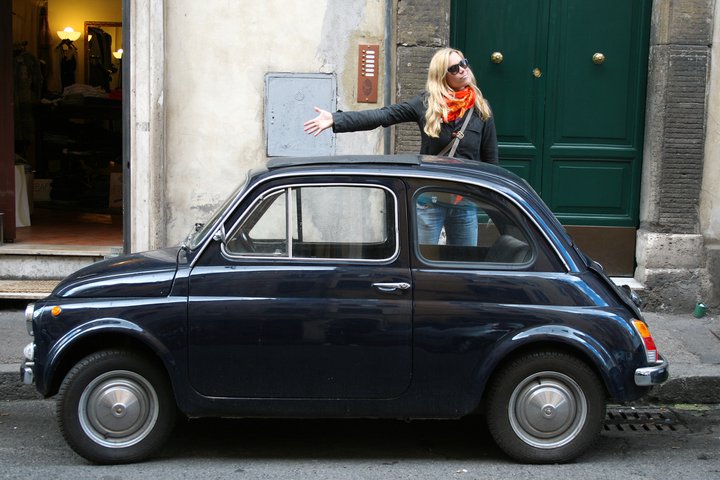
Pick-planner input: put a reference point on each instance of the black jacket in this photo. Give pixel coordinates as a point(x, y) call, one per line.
point(479, 143)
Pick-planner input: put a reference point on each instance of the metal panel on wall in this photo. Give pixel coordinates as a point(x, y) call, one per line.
point(289, 102)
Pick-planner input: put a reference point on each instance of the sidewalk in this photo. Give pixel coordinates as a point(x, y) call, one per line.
point(691, 345)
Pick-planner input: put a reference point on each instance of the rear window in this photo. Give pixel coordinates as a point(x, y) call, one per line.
point(452, 226)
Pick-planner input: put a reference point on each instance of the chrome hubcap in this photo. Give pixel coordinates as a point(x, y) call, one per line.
point(547, 410)
point(118, 409)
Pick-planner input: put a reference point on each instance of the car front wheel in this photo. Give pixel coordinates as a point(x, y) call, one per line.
point(545, 407)
point(115, 406)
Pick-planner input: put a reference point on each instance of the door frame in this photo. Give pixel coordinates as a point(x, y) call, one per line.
point(7, 131)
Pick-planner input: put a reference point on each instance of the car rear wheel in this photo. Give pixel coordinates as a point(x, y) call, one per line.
point(115, 406)
point(545, 407)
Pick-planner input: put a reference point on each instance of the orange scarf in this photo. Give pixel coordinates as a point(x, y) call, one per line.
point(463, 101)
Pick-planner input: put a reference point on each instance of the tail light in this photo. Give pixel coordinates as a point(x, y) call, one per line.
point(650, 348)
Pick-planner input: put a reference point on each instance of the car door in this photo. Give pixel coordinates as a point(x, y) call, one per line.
point(308, 296)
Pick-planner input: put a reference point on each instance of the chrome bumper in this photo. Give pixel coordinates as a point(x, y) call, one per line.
point(27, 369)
point(655, 375)
point(27, 373)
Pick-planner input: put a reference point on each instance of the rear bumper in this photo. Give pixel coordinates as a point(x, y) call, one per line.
point(654, 375)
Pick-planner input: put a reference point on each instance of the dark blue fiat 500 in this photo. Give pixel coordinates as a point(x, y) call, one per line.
point(399, 287)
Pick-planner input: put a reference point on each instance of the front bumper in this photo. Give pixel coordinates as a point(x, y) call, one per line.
point(654, 375)
point(27, 373)
point(27, 369)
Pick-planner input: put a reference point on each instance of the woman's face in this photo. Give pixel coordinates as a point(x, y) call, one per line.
point(461, 79)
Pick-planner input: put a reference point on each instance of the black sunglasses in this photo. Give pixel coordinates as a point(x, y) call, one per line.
point(454, 69)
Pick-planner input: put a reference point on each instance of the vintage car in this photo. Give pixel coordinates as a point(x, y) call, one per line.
point(348, 287)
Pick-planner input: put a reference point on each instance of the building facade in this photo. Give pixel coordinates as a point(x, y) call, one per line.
point(196, 77)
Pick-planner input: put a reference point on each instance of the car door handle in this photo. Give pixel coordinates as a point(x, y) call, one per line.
point(391, 287)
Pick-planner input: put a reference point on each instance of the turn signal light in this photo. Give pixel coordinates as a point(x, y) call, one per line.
point(650, 348)
point(56, 311)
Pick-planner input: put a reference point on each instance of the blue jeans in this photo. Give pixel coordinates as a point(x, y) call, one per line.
point(460, 222)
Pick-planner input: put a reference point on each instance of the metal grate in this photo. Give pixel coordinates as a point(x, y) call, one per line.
point(642, 420)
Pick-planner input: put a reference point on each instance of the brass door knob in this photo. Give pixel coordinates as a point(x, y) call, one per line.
point(537, 73)
point(496, 57)
point(598, 58)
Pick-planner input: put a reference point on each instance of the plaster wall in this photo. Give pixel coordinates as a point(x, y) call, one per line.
point(217, 54)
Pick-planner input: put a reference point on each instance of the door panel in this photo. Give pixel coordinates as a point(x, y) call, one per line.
point(594, 112)
point(574, 130)
point(592, 102)
point(298, 331)
point(589, 187)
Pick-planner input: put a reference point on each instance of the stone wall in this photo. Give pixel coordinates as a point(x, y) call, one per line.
point(671, 253)
point(423, 26)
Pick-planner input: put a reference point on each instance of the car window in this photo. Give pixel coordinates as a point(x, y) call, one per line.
point(456, 227)
point(327, 221)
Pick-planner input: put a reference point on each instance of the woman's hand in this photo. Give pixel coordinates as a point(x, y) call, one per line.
point(323, 121)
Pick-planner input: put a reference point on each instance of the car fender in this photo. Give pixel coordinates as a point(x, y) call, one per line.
point(116, 326)
point(545, 337)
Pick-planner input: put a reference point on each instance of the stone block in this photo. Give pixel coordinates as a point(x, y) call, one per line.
point(669, 251)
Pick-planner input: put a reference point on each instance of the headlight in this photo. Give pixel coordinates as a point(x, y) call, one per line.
point(29, 310)
point(29, 351)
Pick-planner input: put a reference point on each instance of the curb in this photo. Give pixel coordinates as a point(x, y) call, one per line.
point(11, 388)
point(701, 389)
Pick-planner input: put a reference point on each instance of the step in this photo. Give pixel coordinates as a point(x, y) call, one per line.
point(26, 289)
point(31, 271)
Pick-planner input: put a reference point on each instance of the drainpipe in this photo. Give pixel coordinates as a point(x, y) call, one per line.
point(387, 81)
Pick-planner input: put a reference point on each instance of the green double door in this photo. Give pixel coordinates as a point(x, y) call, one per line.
point(566, 80)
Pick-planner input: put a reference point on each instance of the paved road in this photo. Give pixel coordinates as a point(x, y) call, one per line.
point(14, 334)
point(32, 448)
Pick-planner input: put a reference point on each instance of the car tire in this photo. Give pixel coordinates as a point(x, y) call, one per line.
point(116, 406)
point(545, 407)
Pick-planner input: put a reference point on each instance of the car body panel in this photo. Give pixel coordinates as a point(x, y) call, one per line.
point(135, 275)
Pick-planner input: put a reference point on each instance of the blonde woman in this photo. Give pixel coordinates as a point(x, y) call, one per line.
point(451, 93)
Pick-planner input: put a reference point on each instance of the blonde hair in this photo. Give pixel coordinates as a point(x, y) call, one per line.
point(438, 89)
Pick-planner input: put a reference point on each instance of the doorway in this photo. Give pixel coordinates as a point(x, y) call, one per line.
point(66, 124)
point(566, 80)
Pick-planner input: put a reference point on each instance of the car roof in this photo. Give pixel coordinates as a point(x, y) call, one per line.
point(426, 163)
point(281, 162)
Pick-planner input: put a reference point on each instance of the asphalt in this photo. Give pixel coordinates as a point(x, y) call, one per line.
point(690, 344)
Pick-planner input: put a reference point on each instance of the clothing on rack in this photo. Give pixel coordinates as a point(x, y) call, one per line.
point(27, 83)
point(100, 66)
point(68, 62)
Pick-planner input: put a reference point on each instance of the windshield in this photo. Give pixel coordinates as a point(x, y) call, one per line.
point(201, 230)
